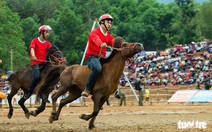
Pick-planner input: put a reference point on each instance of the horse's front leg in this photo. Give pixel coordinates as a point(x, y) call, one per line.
point(26, 111)
point(97, 107)
point(91, 123)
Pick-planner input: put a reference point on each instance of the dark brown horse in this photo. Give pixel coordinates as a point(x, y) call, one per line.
point(73, 79)
point(22, 78)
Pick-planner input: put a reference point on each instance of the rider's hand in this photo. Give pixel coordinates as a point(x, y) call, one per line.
point(103, 45)
point(34, 58)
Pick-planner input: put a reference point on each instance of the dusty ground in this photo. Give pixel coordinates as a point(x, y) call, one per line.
point(157, 117)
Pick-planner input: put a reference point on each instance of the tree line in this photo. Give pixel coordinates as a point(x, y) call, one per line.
point(156, 25)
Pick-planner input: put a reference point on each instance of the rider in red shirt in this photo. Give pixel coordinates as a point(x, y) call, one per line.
point(98, 40)
point(38, 49)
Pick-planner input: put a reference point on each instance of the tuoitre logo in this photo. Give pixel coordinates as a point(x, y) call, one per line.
point(192, 124)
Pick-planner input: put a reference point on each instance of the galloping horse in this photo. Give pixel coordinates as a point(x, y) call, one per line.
point(22, 78)
point(73, 79)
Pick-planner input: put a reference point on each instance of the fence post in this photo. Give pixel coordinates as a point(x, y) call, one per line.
point(30, 102)
point(150, 97)
point(167, 94)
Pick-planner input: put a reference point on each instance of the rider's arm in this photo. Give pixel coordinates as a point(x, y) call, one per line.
point(32, 51)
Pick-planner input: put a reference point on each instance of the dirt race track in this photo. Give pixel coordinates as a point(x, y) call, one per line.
point(158, 117)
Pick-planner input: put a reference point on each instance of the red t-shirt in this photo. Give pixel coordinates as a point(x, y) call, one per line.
point(40, 51)
point(95, 39)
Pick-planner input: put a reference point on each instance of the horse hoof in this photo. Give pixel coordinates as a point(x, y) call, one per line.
point(51, 119)
point(27, 115)
point(9, 116)
point(83, 116)
point(91, 126)
point(33, 113)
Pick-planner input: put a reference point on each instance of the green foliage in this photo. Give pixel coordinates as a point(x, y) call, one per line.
point(154, 24)
point(188, 28)
point(204, 19)
point(12, 50)
point(29, 27)
point(27, 8)
point(70, 27)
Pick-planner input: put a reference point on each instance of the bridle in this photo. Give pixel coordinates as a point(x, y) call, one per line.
point(58, 60)
point(131, 46)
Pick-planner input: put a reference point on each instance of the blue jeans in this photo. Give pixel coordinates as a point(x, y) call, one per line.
point(96, 67)
point(36, 77)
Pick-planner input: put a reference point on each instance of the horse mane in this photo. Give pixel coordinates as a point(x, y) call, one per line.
point(117, 44)
point(50, 51)
point(50, 79)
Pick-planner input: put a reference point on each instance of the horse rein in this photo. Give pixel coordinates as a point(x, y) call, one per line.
point(118, 49)
point(59, 60)
point(122, 48)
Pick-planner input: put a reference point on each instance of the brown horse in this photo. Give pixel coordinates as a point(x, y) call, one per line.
point(22, 78)
point(73, 79)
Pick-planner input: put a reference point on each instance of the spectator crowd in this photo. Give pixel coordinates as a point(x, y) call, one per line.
point(179, 65)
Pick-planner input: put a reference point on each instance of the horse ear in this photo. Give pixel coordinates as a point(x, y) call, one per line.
point(55, 46)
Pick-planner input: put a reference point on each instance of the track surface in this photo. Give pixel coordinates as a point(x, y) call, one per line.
point(159, 117)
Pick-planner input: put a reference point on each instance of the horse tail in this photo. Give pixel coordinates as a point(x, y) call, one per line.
point(13, 80)
point(51, 78)
point(14, 75)
point(10, 77)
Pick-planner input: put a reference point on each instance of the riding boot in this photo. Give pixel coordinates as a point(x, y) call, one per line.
point(44, 98)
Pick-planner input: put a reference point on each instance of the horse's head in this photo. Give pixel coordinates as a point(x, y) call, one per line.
point(127, 49)
point(55, 56)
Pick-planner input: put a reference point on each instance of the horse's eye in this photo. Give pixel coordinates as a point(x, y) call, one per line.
point(124, 45)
